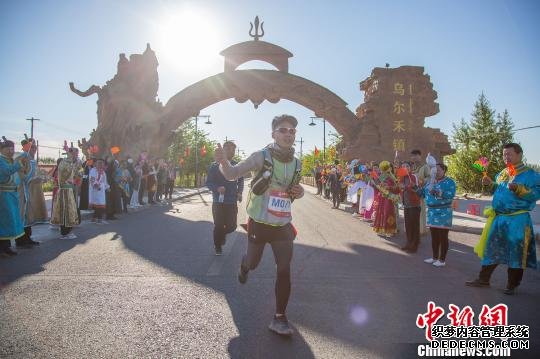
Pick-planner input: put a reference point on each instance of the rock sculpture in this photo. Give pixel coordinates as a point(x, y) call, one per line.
point(128, 108)
point(392, 117)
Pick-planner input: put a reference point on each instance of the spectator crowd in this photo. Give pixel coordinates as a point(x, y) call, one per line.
point(107, 185)
point(378, 190)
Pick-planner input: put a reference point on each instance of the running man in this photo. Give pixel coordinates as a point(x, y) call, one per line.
point(269, 209)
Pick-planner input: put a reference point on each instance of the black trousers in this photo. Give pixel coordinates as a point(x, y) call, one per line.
point(125, 201)
point(225, 218)
point(439, 242)
point(113, 200)
point(319, 185)
point(281, 240)
point(26, 237)
point(160, 191)
point(327, 193)
point(412, 227)
point(343, 194)
point(98, 213)
point(170, 188)
point(515, 275)
point(336, 194)
point(142, 187)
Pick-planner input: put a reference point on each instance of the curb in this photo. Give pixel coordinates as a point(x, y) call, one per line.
point(455, 227)
point(466, 229)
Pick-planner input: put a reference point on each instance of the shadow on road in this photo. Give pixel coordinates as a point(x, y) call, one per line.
point(363, 295)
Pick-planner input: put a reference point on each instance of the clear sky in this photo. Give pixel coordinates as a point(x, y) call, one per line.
point(467, 47)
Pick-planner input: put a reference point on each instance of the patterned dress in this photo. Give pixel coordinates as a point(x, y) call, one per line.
point(31, 199)
point(439, 199)
point(11, 225)
point(64, 210)
point(96, 188)
point(386, 198)
point(510, 238)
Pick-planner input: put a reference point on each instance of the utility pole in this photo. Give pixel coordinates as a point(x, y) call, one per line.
point(32, 125)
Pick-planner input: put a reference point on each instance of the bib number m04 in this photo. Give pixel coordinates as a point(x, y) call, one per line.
point(279, 204)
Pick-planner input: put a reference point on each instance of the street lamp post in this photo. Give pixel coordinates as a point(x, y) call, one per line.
point(301, 142)
point(208, 122)
point(324, 134)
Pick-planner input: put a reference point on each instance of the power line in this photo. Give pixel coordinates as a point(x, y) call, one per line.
point(500, 133)
point(63, 128)
point(525, 128)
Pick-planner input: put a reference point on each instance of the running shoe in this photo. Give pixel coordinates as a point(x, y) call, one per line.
point(280, 325)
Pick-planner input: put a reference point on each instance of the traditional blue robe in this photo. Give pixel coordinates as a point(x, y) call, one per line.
point(11, 225)
point(510, 238)
point(25, 202)
point(439, 197)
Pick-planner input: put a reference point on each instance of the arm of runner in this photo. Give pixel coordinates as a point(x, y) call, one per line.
point(297, 191)
point(253, 163)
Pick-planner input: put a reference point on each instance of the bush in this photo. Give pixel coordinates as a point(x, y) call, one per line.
point(47, 186)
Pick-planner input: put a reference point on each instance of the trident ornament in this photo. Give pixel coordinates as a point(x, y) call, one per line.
point(256, 35)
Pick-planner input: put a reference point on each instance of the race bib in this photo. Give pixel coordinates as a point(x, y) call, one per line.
point(279, 204)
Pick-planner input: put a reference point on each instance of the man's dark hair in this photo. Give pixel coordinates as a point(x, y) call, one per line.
point(288, 118)
point(416, 152)
point(443, 166)
point(229, 143)
point(517, 148)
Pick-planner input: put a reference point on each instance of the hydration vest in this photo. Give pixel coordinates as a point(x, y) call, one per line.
point(269, 198)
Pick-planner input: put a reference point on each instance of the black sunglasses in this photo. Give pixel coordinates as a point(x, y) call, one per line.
point(284, 130)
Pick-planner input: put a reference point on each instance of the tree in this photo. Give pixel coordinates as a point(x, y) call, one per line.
point(47, 160)
point(484, 136)
point(183, 149)
point(309, 160)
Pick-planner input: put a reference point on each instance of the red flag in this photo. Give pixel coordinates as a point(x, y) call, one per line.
point(203, 150)
point(316, 151)
point(186, 152)
point(402, 172)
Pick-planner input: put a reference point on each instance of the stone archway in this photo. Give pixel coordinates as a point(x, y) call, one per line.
point(257, 86)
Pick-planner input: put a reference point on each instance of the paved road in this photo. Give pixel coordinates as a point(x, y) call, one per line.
point(149, 285)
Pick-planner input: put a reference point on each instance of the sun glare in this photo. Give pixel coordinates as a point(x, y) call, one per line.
point(188, 40)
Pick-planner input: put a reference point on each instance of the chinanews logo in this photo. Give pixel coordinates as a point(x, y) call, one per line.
point(490, 335)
